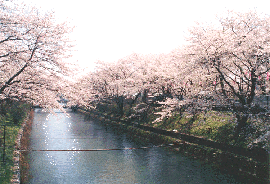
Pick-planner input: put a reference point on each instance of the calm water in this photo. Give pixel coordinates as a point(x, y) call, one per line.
point(153, 165)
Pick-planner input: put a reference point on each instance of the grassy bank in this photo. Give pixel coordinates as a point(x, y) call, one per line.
point(213, 125)
point(6, 170)
point(12, 114)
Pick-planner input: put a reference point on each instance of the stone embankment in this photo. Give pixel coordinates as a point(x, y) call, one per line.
point(16, 158)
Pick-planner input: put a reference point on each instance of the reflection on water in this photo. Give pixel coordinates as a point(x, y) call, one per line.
point(153, 165)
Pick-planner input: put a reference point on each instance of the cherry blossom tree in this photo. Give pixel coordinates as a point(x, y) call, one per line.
point(83, 92)
point(232, 61)
point(32, 52)
point(114, 81)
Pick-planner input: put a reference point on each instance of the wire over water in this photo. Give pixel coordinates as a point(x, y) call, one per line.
point(109, 149)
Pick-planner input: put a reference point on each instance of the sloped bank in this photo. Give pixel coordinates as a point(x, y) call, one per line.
point(250, 166)
point(24, 164)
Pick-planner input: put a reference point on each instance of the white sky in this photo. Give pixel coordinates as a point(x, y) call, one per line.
point(108, 30)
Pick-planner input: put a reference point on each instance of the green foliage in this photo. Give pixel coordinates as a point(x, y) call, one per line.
point(18, 113)
point(12, 112)
point(12, 115)
point(6, 167)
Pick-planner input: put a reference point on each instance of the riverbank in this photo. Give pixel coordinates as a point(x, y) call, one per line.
point(20, 165)
point(13, 117)
point(246, 168)
point(24, 164)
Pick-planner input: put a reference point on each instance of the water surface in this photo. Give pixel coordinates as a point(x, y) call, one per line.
point(152, 165)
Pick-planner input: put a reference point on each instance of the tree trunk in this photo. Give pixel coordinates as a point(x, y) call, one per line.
point(144, 96)
point(240, 128)
point(120, 105)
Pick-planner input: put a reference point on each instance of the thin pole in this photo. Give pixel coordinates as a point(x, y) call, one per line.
point(267, 100)
point(4, 146)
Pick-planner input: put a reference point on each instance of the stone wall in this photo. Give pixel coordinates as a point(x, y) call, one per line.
point(16, 154)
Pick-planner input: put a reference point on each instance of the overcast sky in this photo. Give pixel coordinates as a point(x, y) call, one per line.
point(108, 30)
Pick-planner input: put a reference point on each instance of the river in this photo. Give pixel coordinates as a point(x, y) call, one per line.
point(150, 165)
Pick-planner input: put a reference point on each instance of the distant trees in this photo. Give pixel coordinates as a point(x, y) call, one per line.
point(32, 47)
point(131, 75)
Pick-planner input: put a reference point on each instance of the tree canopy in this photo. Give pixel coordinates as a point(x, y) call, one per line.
point(234, 55)
point(233, 63)
point(33, 48)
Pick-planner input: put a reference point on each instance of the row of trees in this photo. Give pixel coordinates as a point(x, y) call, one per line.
point(228, 62)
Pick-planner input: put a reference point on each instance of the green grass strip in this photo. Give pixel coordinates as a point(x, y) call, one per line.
point(6, 168)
